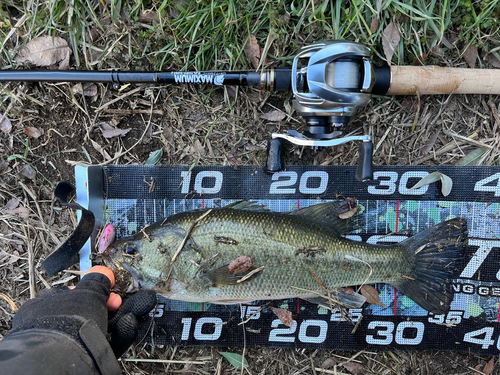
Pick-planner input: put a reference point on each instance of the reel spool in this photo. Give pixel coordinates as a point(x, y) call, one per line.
point(330, 81)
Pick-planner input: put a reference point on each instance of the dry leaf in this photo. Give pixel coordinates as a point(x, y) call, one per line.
point(371, 295)
point(374, 25)
point(148, 16)
point(11, 204)
point(493, 60)
point(348, 214)
point(28, 172)
point(198, 148)
point(5, 124)
point(46, 51)
point(446, 182)
point(32, 132)
point(284, 315)
point(390, 41)
point(328, 363)
point(470, 56)
point(488, 368)
point(274, 116)
point(115, 132)
point(22, 212)
point(419, 60)
point(240, 265)
point(252, 51)
point(88, 90)
point(354, 367)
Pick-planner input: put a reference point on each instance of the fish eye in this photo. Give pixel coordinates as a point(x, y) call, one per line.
point(130, 250)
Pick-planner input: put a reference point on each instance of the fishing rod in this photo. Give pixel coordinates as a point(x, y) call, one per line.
point(329, 80)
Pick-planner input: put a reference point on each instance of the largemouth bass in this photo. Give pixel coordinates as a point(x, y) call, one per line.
point(191, 257)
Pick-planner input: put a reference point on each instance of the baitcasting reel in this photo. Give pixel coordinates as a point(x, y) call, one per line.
point(330, 81)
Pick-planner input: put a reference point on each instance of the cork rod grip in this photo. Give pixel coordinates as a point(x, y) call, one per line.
point(407, 80)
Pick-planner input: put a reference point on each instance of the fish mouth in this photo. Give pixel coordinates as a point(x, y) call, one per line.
point(134, 276)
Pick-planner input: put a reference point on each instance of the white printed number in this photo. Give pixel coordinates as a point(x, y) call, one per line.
point(311, 331)
point(205, 182)
point(407, 333)
point(388, 183)
point(310, 182)
point(205, 329)
point(485, 185)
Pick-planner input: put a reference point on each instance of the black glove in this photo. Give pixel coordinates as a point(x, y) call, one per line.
point(81, 316)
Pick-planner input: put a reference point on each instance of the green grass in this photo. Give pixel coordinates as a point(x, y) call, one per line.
point(206, 35)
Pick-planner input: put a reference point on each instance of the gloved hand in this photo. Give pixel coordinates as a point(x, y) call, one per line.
point(82, 312)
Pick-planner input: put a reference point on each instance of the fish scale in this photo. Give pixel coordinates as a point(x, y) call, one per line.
point(281, 243)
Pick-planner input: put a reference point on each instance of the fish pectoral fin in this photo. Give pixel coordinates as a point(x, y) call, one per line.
point(339, 297)
point(222, 276)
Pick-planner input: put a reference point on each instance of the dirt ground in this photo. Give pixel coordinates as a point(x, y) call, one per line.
point(54, 127)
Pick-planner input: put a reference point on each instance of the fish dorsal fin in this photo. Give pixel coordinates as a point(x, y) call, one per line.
point(326, 215)
point(248, 205)
point(350, 300)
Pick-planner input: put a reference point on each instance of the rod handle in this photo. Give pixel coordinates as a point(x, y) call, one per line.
point(407, 80)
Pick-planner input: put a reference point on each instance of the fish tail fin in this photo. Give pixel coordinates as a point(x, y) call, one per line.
point(434, 253)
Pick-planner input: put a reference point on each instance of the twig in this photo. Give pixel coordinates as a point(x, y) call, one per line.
point(188, 233)
point(31, 268)
point(250, 274)
point(162, 361)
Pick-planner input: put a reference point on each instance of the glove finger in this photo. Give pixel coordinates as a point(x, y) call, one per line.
point(96, 282)
point(123, 334)
point(138, 304)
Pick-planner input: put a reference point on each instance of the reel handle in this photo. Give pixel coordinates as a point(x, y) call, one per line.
point(364, 171)
point(275, 161)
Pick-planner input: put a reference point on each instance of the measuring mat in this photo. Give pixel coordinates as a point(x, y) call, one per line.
point(131, 197)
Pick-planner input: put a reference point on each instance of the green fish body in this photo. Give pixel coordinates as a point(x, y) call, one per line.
point(192, 257)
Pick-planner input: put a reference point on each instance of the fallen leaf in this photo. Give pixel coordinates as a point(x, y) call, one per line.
point(252, 51)
point(87, 90)
point(11, 204)
point(488, 368)
point(5, 124)
point(493, 60)
point(349, 214)
point(240, 265)
point(446, 182)
point(473, 157)
point(354, 367)
point(22, 212)
point(374, 25)
point(371, 295)
point(45, 51)
point(198, 148)
point(328, 363)
point(284, 315)
point(155, 157)
point(419, 60)
point(28, 172)
point(115, 132)
point(32, 132)
point(100, 149)
point(470, 56)
point(390, 41)
point(235, 359)
point(148, 16)
point(274, 116)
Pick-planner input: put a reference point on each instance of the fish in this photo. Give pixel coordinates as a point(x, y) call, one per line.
point(245, 252)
